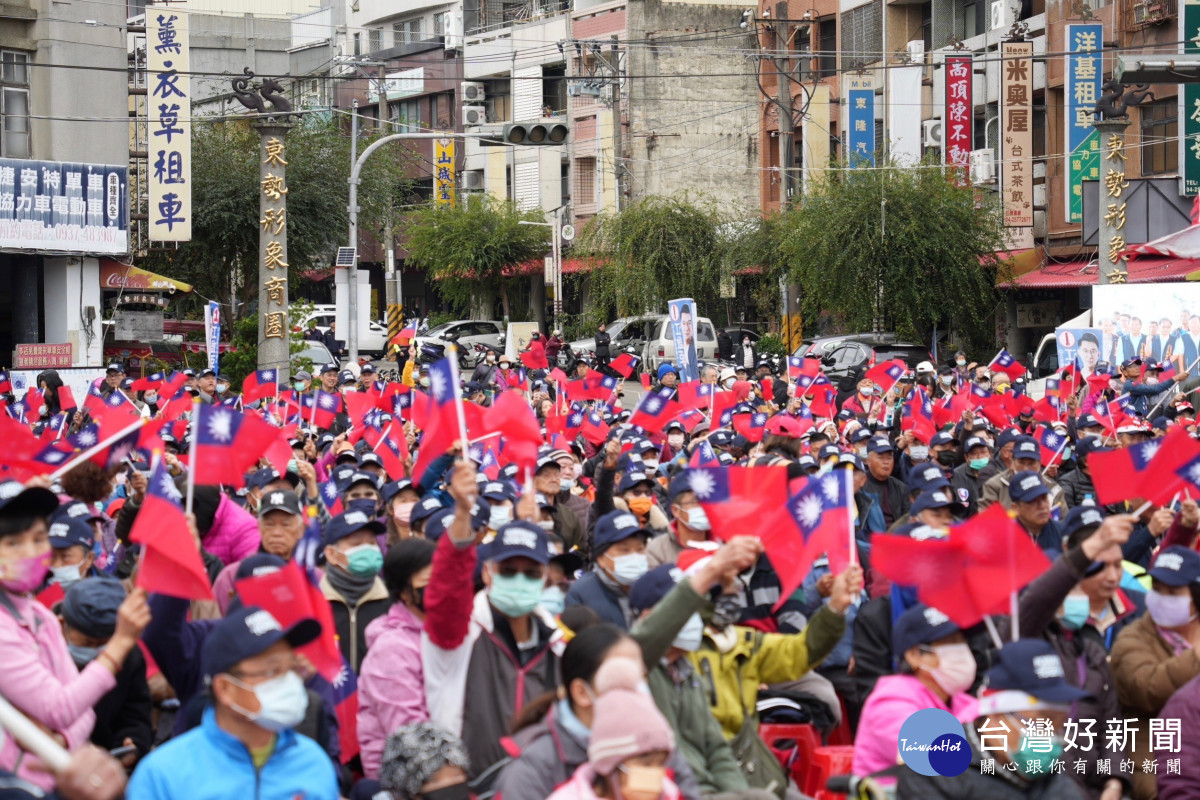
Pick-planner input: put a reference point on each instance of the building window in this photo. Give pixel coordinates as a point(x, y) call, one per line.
point(499, 99)
point(374, 40)
point(828, 59)
point(406, 116)
point(585, 182)
point(358, 44)
point(862, 33)
point(406, 32)
point(441, 24)
point(554, 90)
point(1160, 128)
point(14, 105)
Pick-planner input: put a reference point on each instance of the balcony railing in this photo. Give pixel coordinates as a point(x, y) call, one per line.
point(494, 14)
point(1138, 15)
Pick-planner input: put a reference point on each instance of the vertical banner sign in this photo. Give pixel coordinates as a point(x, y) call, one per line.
point(1016, 120)
point(958, 120)
point(683, 331)
point(169, 124)
point(860, 102)
point(1084, 69)
point(1189, 158)
point(273, 270)
point(443, 180)
point(904, 119)
point(212, 334)
point(815, 127)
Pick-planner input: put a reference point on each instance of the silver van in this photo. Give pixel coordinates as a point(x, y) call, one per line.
point(660, 344)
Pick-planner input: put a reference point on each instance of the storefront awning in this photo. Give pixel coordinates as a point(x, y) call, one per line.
point(115, 275)
point(1071, 274)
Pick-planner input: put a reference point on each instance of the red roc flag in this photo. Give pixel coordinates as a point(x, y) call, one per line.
point(1146, 470)
point(171, 563)
point(289, 597)
point(740, 500)
point(886, 374)
point(228, 444)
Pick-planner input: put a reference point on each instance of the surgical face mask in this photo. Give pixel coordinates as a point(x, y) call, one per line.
point(862, 451)
point(1151, 380)
point(499, 516)
point(955, 671)
point(491, 359)
point(745, 342)
point(25, 574)
point(962, 362)
point(565, 484)
point(640, 505)
point(546, 525)
point(918, 453)
point(675, 440)
point(978, 463)
point(364, 560)
point(150, 397)
point(1076, 610)
point(642, 782)
point(730, 382)
point(697, 519)
point(1036, 766)
point(578, 470)
point(985, 385)
point(425, 381)
point(222, 387)
point(515, 595)
point(1169, 611)
point(65, 576)
point(946, 458)
point(690, 635)
point(628, 568)
point(402, 512)
point(299, 386)
point(282, 702)
point(553, 600)
point(946, 380)
point(651, 465)
point(83, 655)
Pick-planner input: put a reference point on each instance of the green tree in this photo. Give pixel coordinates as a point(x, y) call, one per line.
point(656, 249)
point(903, 246)
point(471, 249)
point(221, 260)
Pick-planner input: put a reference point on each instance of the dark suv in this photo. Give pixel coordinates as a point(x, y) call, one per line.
point(846, 362)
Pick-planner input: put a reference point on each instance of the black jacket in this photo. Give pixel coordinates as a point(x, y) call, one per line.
point(739, 357)
point(966, 479)
point(125, 710)
point(893, 497)
point(724, 346)
point(602, 342)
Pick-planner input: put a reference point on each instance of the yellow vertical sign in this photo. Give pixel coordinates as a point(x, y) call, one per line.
point(443, 177)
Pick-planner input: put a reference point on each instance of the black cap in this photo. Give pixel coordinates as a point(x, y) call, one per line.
point(247, 632)
point(280, 500)
point(17, 501)
point(1031, 666)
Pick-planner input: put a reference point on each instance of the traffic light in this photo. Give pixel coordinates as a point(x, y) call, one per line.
point(535, 133)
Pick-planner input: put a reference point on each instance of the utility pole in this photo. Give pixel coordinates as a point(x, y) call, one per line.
point(787, 122)
point(352, 299)
point(618, 124)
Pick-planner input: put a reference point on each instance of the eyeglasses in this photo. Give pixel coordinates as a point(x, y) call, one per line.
point(274, 671)
point(533, 573)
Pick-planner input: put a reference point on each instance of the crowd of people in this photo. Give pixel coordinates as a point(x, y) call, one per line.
point(577, 623)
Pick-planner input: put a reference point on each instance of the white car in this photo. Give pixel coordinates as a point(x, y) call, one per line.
point(372, 341)
point(467, 332)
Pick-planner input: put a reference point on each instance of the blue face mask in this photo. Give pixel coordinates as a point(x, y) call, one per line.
point(574, 726)
point(83, 655)
point(553, 600)
point(515, 595)
point(1076, 610)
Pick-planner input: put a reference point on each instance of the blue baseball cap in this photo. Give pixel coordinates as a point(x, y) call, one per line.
point(1081, 517)
point(1031, 666)
point(390, 490)
point(1087, 421)
point(852, 459)
point(437, 524)
point(613, 527)
point(920, 624)
point(860, 435)
point(975, 441)
point(1006, 436)
point(808, 462)
point(1027, 486)
point(90, 606)
point(1087, 445)
point(880, 444)
point(499, 491)
point(259, 564)
point(425, 508)
point(356, 478)
point(330, 367)
point(940, 438)
point(653, 586)
point(633, 478)
point(351, 522)
point(370, 458)
point(932, 499)
point(1026, 447)
point(519, 538)
point(927, 477)
point(1176, 566)
point(720, 438)
point(248, 631)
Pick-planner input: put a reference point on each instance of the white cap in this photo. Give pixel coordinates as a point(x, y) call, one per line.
point(925, 368)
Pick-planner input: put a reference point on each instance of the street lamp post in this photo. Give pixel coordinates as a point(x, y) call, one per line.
point(556, 255)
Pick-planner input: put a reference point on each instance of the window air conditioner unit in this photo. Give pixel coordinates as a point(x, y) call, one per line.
point(473, 92)
point(472, 179)
point(1001, 14)
point(983, 166)
point(933, 132)
point(916, 50)
point(474, 115)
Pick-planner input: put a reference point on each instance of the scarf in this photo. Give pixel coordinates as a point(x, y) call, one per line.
point(351, 587)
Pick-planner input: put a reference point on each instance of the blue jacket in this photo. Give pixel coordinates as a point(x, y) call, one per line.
point(591, 592)
point(207, 762)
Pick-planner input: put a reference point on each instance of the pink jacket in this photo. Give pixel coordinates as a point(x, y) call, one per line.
point(234, 532)
point(895, 699)
point(391, 683)
point(40, 679)
point(580, 787)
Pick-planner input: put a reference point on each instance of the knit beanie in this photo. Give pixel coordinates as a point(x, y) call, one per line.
point(414, 754)
point(626, 722)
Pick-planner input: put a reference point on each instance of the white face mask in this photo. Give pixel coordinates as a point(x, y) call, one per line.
point(651, 465)
point(151, 398)
point(729, 382)
point(947, 380)
point(578, 469)
point(425, 382)
point(691, 635)
point(675, 440)
point(282, 702)
point(500, 516)
point(65, 576)
point(222, 387)
point(918, 453)
point(546, 524)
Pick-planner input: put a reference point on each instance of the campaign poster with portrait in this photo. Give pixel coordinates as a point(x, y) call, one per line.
point(683, 331)
point(1151, 321)
point(1083, 343)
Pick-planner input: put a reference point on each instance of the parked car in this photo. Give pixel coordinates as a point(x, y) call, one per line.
point(660, 349)
point(846, 362)
point(372, 341)
point(311, 357)
point(820, 345)
point(614, 330)
point(466, 333)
